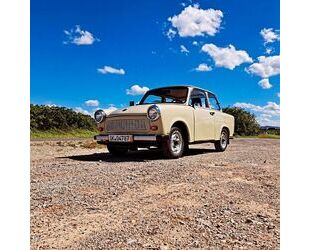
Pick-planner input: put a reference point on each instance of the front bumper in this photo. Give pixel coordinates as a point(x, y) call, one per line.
point(136, 139)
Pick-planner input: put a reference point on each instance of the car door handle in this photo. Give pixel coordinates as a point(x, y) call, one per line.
point(212, 113)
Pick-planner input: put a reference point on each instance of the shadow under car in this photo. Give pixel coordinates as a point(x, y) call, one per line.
point(134, 156)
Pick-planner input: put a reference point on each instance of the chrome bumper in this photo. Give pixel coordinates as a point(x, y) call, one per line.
point(138, 138)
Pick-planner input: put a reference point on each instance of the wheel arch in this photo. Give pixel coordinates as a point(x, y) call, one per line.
point(184, 128)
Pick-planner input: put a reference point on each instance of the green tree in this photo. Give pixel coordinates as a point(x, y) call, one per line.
point(245, 122)
point(44, 118)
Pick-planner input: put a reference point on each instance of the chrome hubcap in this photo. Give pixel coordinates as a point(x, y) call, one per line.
point(223, 139)
point(176, 142)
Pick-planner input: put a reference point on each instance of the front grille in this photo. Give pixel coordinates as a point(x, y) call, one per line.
point(126, 125)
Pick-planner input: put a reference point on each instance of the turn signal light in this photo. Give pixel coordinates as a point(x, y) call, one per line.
point(153, 127)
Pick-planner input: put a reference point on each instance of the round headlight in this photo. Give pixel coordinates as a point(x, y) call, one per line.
point(100, 116)
point(153, 113)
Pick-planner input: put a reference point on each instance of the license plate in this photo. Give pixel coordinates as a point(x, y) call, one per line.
point(120, 138)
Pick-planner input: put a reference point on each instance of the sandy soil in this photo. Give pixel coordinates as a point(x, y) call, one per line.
point(83, 198)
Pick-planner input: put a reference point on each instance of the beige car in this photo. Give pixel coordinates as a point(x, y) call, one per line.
point(169, 118)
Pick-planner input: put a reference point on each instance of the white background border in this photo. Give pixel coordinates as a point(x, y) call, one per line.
point(15, 150)
point(295, 121)
point(14, 125)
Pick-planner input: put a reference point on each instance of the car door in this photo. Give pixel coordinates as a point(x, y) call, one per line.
point(203, 118)
point(215, 110)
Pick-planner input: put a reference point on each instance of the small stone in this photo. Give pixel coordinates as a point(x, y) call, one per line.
point(248, 221)
point(163, 247)
point(204, 222)
point(131, 241)
point(195, 243)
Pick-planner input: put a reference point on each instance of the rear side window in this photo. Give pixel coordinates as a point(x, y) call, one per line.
point(214, 104)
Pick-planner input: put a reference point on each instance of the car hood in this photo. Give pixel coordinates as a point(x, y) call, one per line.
point(131, 110)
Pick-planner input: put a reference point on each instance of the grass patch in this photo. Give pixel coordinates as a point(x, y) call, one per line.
point(76, 133)
point(263, 136)
point(269, 136)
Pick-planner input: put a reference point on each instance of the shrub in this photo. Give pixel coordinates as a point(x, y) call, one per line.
point(245, 122)
point(43, 118)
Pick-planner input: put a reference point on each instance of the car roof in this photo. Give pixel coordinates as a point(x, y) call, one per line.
point(183, 86)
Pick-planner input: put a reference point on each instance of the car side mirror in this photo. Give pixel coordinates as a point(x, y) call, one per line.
point(131, 103)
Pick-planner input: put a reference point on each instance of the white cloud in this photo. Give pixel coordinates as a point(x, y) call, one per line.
point(270, 108)
point(263, 121)
point(171, 34)
point(80, 37)
point(92, 103)
point(195, 43)
point(227, 57)
point(265, 67)
point(109, 109)
point(50, 104)
point(193, 21)
point(136, 90)
point(269, 50)
point(265, 115)
point(111, 70)
point(269, 35)
point(183, 49)
point(203, 67)
point(81, 110)
point(265, 84)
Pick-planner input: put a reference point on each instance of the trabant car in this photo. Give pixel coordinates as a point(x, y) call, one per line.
point(169, 118)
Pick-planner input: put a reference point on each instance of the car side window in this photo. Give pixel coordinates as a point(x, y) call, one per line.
point(198, 99)
point(214, 104)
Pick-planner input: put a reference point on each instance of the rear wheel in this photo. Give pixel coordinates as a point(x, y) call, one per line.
point(173, 147)
point(117, 150)
point(221, 145)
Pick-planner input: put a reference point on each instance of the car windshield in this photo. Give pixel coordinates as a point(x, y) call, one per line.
point(165, 95)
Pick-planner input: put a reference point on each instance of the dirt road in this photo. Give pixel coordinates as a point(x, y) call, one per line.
point(83, 198)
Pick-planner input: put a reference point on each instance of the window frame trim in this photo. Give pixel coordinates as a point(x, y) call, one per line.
point(217, 102)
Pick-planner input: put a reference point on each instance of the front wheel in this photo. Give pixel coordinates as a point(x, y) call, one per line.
point(117, 150)
point(173, 147)
point(221, 145)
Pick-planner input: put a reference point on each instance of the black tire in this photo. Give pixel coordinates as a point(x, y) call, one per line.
point(117, 150)
point(186, 149)
point(222, 144)
point(173, 147)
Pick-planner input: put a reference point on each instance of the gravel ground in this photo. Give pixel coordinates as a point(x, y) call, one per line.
point(83, 198)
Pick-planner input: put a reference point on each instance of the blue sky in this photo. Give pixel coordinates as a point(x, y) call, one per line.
point(96, 51)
